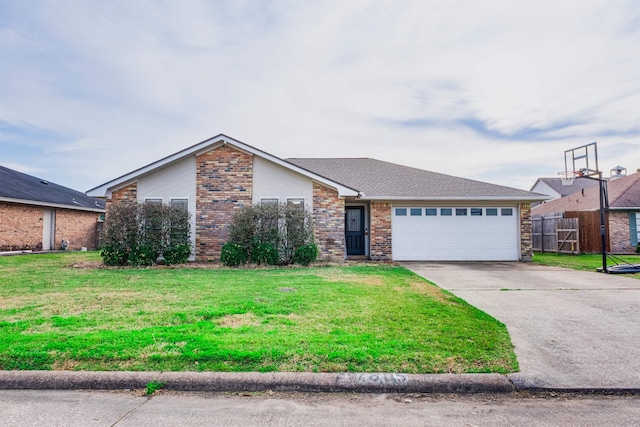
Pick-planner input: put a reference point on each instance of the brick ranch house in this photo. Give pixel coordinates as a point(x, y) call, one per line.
point(623, 215)
point(37, 215)
point(362, 207)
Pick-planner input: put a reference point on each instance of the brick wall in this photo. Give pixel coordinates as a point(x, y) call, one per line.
point(77, 227)
point(619, 233)
point(224, 183)
point(380, 231)
point(328, 218)
point(526, 242)
point(20, 227)
point(124, 194)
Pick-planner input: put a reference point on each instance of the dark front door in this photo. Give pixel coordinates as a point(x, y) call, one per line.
point(354, 230)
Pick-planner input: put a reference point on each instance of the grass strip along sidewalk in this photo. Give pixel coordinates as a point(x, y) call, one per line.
point(588, 262)
point(65, 312)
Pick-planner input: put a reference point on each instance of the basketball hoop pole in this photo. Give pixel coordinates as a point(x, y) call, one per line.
point(603, 227)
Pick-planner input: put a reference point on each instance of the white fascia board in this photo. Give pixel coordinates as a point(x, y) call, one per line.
point(104, 190)
point(201, 148)
point(51, 205)
point(458, 198)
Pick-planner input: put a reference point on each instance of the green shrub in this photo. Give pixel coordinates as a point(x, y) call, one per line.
point(143, 254)
point(233, 255)
point(178, 254)
point(136, 234)
point(264, 253)
point(272, 233)
point(306, 254)
point(114, 255)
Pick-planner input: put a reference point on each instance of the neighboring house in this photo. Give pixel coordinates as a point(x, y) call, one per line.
point(623, 215)
point(36, 214)
point(557, 187)
point(361, 207)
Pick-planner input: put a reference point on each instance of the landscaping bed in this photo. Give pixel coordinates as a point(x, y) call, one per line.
point(65, 311)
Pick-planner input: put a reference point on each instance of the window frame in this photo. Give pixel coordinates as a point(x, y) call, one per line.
point(186, 199)
point(269, 201)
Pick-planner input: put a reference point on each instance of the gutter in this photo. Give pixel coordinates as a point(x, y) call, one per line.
point(52, 205)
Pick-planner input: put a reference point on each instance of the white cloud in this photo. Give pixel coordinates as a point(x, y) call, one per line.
point(493, 91)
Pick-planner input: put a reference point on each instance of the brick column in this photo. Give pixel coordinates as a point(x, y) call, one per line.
point(328, 227)
point(224, 183)
point(526, 243)
point(380, 231)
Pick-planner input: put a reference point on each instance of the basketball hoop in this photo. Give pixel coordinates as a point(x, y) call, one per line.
point(567, 177)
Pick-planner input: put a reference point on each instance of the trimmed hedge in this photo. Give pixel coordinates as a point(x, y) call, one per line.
point(271, 234)
point(138, 234)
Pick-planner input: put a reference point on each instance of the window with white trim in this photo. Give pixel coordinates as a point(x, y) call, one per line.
point(296, 201)
point(269, 201)
point(180, 203)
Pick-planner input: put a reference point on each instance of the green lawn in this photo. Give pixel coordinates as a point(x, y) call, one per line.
point(582, 262)
point(62, 311)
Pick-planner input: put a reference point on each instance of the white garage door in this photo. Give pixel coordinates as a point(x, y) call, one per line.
point(455, 234)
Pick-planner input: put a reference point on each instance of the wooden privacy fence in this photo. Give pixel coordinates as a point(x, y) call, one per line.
point(589, 230)
point(555, 234)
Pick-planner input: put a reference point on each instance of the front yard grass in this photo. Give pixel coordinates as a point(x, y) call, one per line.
point(587, 262)
point(63, 312)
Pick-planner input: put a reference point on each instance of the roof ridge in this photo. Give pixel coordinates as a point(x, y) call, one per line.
point(626, 188)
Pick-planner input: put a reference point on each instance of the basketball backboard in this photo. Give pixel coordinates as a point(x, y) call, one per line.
point(581, 162)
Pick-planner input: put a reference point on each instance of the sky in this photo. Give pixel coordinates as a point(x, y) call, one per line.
point(493, 91)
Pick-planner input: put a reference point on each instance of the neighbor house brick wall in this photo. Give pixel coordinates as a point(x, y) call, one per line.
point(526, 237)
point(20, 227)
point(76, 227)
point(380, 231)
point(328, 218)
point(224, 184)
point(619, 232)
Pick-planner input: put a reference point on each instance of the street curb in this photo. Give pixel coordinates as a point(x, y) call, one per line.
point(255, 381)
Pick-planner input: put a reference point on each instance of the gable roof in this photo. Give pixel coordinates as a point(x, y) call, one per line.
point(624, 193)
point(559, 187)
point(18, 187)
point(207, 145)
point(378, 179)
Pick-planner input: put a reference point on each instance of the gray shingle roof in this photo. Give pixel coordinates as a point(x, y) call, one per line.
point(19, 186)
point(379, 179)
point(624, 193)
point(564, 190)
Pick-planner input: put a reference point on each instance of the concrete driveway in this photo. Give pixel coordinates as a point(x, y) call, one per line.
point(571, 329)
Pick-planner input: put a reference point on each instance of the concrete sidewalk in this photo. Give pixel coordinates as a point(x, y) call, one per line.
point(572, 330)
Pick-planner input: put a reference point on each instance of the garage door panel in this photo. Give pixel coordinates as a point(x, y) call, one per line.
point(455, 238)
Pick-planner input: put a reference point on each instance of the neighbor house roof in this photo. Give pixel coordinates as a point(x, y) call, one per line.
point(378, 179)
point(624, 193)
point(559, 186)
point(207, 145)
point(18, 187)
